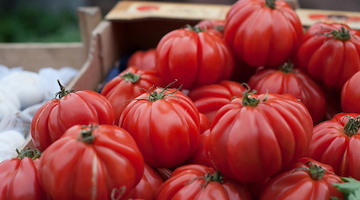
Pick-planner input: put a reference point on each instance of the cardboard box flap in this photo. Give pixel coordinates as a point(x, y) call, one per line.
point(131, 10)
point(311, 16)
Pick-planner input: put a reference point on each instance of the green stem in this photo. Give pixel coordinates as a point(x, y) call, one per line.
point(249, 101)
point(287, 68)
point(86, 134)
point(352, 127)
point(342, 34)
point(27, 152)
point(154, 96)
point(130, 77)
point(63, 92)
point(270, 3)
point(316, 172)
point(194, 28)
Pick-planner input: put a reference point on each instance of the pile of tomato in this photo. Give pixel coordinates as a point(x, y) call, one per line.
point(250, 107)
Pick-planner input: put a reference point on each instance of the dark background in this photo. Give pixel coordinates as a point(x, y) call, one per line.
point(56, 20)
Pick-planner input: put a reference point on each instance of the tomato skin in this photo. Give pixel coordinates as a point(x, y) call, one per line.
point(185, 183)
point(342, 57)
point(148, 186)
point(166, 130)
point(250, 144)
point(144, 60)
point(210, 98)
point(261, 36)
point(350, 94)
point(297, 183)
point(120, 91)
point(19, 180)
point(73, 169)
point(295, 83)
point(193, 58)
point(217, 26)
point(57, 115)
point(331, 145)
point(201, 155)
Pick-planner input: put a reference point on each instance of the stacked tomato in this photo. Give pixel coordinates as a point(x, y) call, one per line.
point(252, 107)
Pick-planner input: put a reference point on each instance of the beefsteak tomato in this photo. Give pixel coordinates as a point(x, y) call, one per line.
point(91, 162)
point(257, 136)
point(262, 32)
point(350, 95)
point(71, 108)
point(144, 60)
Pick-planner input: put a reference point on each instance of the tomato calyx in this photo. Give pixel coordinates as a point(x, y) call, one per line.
point(154, 96)
point(270, 3)
point(287, 67)
point(117, 194)
point(316, 172)
point(194, 28)
point(215, 177)
point(249, 101)
point(27, 152)
point(86, 135)
point(342, 34)
point(352, 127)
point(63, 92)
point(131, 77)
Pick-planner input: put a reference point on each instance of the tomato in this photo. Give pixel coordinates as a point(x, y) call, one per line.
point(336, 142)
point(19, 177)
point(91, 162)
point(350, 94)
point(165, 124)
point(339, 44)
point(204, 122)
point(144, 60)
point(210, 98)
point(289, 80)
point(148, 186)
point(257, 136)
point(191, 182)
point(127, 86)
point(262, 32)
point(71, 108)
point(194, 57)
point(307, 180)
point(201, 155)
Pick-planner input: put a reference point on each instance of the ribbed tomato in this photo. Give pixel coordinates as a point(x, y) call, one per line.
point(19, 177)
point(129, 84)
point(193, 56)
point(190, 182)
point(257, 136)
point(306, 180)
point(336, 142)
point(71, 108)
point(91, 162)
point(262, 32)
point(350, 94)
point(210, 98)
point(144, 60)
point(289, 80)
point(165, 124)
point(339, 44)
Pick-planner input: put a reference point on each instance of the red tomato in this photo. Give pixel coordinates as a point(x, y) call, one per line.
point(307, 180)
point(336, 142)
point(144, 60)
point(148, 186)
point(71, 108)
point(204, 122)
point(257, 136)
point(194, 57)
point(129, 84)
point(339, 44)
point(19, 178)
point(190, 182)
point(201, 155)
point(289, 80)
point(210, 98)
point(262, 32)
point(350, 94)
point(91, 162)
point(165, 125)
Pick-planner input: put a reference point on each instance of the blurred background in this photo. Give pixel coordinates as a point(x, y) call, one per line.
point(56, 21)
